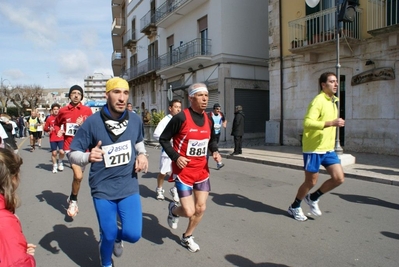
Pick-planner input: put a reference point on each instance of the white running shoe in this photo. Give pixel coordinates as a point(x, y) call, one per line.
point(73, 209)
point(219, 165)
point(160, 193)
point(172, 219)
point(188, 242)
point(60, 166)
point(118, 248)
point(297, 214)
point(54, 168)
point(175, 195)
point(314, 205)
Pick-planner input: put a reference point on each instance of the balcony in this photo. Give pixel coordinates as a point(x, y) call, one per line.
point(192, 54)
point(147, 24)
point(143, 70)
point(118, 26)
point(382, 16)
point(117, 2)
point(118, 58)
point(117, 41)
point(172, 10)
point(316, 33)
point(117, 11)
point(129, 40)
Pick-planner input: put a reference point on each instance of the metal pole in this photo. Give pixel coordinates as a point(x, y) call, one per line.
point(338, 149)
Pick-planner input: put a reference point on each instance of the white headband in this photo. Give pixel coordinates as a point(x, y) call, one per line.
point(198, 89)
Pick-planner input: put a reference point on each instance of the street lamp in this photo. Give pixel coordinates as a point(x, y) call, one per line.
point(346, 13)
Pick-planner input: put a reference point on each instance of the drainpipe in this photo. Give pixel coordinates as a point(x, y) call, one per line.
point(281, 78)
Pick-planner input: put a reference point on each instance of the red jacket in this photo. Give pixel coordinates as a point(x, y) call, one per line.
point(68, 115)
point(13, 244)
point(50, 125)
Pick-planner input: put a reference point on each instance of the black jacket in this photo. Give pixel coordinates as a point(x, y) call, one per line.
point(238, 124)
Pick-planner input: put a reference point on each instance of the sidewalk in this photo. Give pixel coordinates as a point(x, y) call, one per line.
point(368, 167)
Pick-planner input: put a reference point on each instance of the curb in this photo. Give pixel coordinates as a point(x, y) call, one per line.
point(296, 167)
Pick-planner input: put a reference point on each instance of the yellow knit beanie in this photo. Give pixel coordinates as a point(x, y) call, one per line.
point(116, 82)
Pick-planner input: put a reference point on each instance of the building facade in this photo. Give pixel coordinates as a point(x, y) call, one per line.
point(303, 44)
point(94, 87)
point(163, 46)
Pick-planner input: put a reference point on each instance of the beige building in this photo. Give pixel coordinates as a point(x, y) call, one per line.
point(163, 46)
point(305, 46)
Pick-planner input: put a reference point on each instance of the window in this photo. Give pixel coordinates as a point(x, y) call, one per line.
point(203, 30)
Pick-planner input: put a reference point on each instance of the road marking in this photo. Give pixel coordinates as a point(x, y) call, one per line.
point(22, 142)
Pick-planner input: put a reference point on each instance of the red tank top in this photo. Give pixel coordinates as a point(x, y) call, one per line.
point(192, 143)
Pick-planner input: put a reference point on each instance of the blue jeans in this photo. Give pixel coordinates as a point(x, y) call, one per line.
point(131, 217)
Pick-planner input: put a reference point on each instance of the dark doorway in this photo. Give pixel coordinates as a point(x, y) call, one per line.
point(256, 107)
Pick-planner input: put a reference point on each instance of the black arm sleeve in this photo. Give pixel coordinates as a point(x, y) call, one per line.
point(171, 129)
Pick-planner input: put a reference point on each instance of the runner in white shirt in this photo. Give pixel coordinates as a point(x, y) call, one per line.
point(165, 161)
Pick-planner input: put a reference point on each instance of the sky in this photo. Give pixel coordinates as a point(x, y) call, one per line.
point(54, 43)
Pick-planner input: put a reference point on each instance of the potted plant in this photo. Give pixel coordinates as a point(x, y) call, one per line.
point(149, 129)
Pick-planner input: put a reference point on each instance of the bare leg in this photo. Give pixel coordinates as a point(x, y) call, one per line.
point(310, 181)
point(337, 178)
point(192, 207)
point(77, 178)
point(160, 180)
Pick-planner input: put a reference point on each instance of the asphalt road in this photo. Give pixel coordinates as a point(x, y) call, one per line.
point(246, 223)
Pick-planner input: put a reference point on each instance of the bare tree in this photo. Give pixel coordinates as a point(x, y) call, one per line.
point(22, 96)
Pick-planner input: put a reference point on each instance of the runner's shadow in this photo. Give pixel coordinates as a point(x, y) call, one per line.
point(235, 200)
point(145, 192)
point(367, 200)
point(57, 200)
point(149, 175)
point(237, 260)
point(151, 222)
point(47, 167)
point(390, 234)
point(78, 243)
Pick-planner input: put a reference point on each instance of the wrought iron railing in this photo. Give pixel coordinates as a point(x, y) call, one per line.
point(143, 67)
point(117, 55)
point(320, 27)
point(382, 13)
point(194, 48)
point(147, 20)
point(168, 7)
point(129, 36)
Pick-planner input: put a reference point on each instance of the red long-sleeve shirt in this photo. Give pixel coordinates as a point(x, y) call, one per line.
point(13, 245)
point(67, 118)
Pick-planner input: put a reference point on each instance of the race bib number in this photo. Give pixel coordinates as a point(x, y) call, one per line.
point(71, 129)
point(217, 126)
point(197, 148)
point(117, 154)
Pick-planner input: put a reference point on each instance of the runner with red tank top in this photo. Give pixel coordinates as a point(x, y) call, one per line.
point(193, 134)
point(67, 124)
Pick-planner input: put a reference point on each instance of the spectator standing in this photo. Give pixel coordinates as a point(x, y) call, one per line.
point(238, 130)
point(21, 126)
point(14, 250)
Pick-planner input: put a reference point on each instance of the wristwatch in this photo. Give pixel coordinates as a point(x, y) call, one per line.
point(143, 153)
